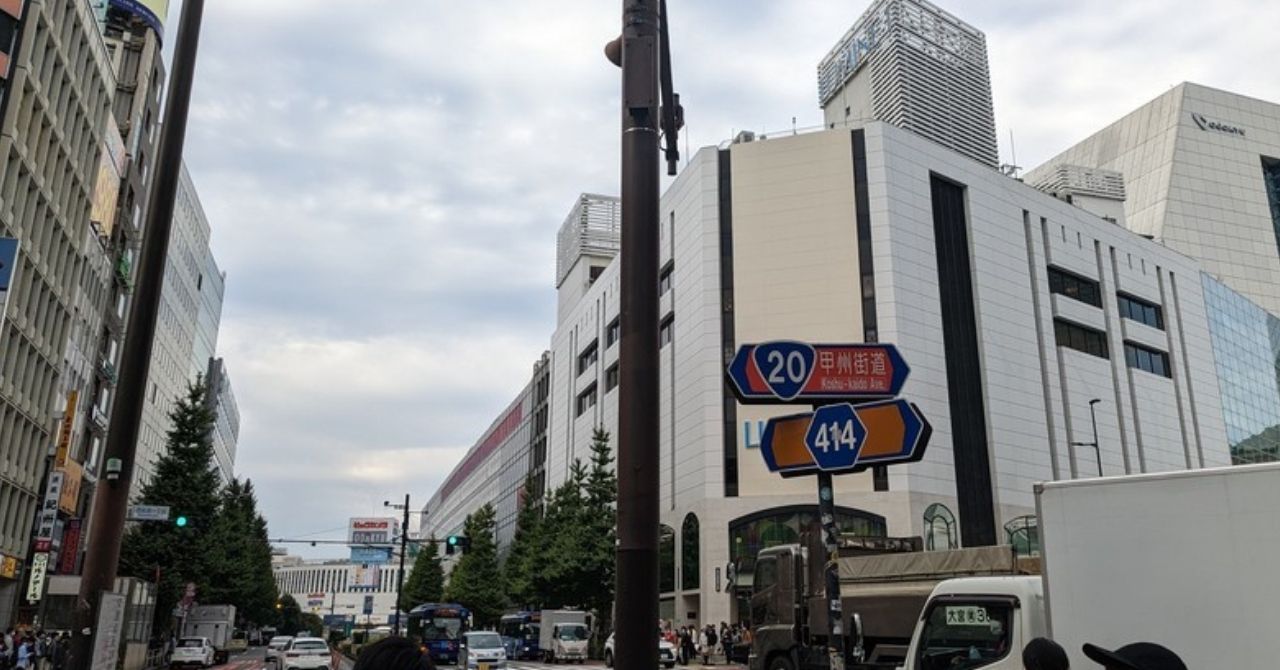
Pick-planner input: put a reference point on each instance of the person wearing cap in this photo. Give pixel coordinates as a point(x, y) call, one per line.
point(1044, 654)
point(393, 653)
point(1136, 656)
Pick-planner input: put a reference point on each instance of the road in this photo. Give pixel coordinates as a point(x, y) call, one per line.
point(255, 659)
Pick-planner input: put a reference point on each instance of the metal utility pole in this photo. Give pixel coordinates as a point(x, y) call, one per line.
point(643, 53)
point(102, 557)
point(831, 542)
point(404, 541)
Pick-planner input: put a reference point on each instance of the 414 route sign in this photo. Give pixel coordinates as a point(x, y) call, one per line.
point(787, 372)
point(845, 438)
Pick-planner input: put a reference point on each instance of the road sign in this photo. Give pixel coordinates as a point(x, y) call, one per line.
point(834, 437)
point(148, 512)
point(896, 432)
point(787, 371)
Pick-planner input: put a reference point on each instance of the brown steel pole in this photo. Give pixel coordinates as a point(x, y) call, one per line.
point(638, 419)
point(112, 496)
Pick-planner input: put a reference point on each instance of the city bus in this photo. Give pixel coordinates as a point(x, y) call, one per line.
point(520, 635)
point(439, 628)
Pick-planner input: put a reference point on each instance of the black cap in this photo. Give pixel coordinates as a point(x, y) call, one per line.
point(1044, 654)
point(1136, 656)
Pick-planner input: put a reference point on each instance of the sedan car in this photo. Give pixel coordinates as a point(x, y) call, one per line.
point(192, 652)
point(306, 653)
point(276, 646)
point(666, 653)
point(482, 650)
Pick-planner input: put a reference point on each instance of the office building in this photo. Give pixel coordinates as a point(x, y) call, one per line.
point(495, 468)
point(911, 64)
point(186, 282)
point(1202, 171)
point(1246, 350)
point(340, 587)
point(1024, 319)
point(226, 423)
point(56, 91)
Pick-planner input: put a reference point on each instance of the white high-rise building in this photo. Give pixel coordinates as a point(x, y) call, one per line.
point(911, 64)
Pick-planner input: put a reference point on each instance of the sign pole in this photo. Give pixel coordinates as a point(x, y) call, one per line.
point(831, 541)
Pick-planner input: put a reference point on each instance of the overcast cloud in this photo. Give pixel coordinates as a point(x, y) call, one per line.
point(385, 180)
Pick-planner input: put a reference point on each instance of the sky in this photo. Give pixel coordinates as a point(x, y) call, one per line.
point(385, 186)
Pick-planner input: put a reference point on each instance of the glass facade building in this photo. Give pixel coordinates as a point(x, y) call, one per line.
point(1246, 350)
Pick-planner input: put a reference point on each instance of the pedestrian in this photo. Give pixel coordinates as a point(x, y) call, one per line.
point(393, 653)
point(58, 656)
point(687, 649)
point(1136, 656)
point(26, 652)
point(1044, 654)
point(703, 646)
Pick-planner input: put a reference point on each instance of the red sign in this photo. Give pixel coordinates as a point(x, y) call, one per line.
point(44, 545)
point(70, 547)
point(368, 525)
point(798, 372)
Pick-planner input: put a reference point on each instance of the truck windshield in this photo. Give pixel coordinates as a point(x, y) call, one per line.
point(964, 634)
point(573, 633)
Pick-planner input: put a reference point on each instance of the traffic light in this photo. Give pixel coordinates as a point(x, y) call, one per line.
point(181, 521)
point(457, 543)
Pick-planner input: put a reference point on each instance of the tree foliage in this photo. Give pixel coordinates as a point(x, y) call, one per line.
point(476, 581)
point(289, 616)
point(518, 571)
point(425, 583)
point(185, 481)
point(223, 549)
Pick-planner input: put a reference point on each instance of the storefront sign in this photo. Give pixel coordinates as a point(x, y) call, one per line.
point(64, 429)
point(70, 548)
point(8, 566)
point(69, 500)
point(39, 566)
point(49, 511)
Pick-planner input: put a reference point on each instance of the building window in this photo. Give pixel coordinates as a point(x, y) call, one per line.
point(664, 279)
point(666, 331)
point(595, 272)
point(690, 569)
point(666, 559)
point(611, 378)
point(588, 357)
point(613, 332)
point(1074, 286)
point(1080, 338)
point(1271, 177)
point(1139, 357)
point(1137, 309)
point(587, 399)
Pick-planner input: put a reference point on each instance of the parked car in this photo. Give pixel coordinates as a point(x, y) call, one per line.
point(666, 653)
point(482, 650)
point(192, 652)
point(306, 653)
point(276, 646)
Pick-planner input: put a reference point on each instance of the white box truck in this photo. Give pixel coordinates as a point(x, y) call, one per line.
point(564, 636)
point(215, 622)
point(1182, 559)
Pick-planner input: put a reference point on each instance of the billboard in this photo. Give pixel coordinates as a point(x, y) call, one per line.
point(153, 12)
point(374, 530)
point(70, 548)
point(371, 555)
point(69, 500)
point(8, 263)
point(366, 576)
point(64, 429)
point(106, 190)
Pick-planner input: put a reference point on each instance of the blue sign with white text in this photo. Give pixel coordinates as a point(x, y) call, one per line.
point(835, 437)
point(371, 555)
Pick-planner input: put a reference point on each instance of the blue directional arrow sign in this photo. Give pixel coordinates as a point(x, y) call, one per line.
point(786, 366)
point(835, 437)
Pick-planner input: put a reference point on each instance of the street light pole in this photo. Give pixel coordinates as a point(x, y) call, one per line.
point(648, 107)
point(111, 500)
point(1093, 417)
point(404, 541)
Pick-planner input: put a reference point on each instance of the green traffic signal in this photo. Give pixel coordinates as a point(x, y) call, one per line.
point(180, 522)
point(453, 540)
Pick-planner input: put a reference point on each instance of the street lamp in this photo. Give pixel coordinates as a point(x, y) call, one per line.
point(1098, 450)
point(404, 540)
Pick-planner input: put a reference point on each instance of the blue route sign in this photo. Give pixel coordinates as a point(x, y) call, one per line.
point(786, 366)
point(835, 437)
point(798, 372)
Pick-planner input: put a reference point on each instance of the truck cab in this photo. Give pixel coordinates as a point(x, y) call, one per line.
point(978, 622)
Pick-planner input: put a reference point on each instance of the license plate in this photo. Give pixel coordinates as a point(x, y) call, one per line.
point(484, 666)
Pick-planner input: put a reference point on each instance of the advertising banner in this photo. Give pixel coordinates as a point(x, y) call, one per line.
point(72, 474)
point(70, 548)
point(64, 429)
point(153, 12)
point(372, 530)
point(8, 263)
point(48, 518)
point(8, 566)
point(366, 576)
point(371, 555)
point(106, 190)
point(39, 567)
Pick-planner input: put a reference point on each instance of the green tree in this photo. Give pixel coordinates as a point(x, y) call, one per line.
point(289, 616)
point(476, 581)
point(558, 571)
point(518, 569)
point(425, 583)
point(185, 480)
point(600, 518)
point(239, 557)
